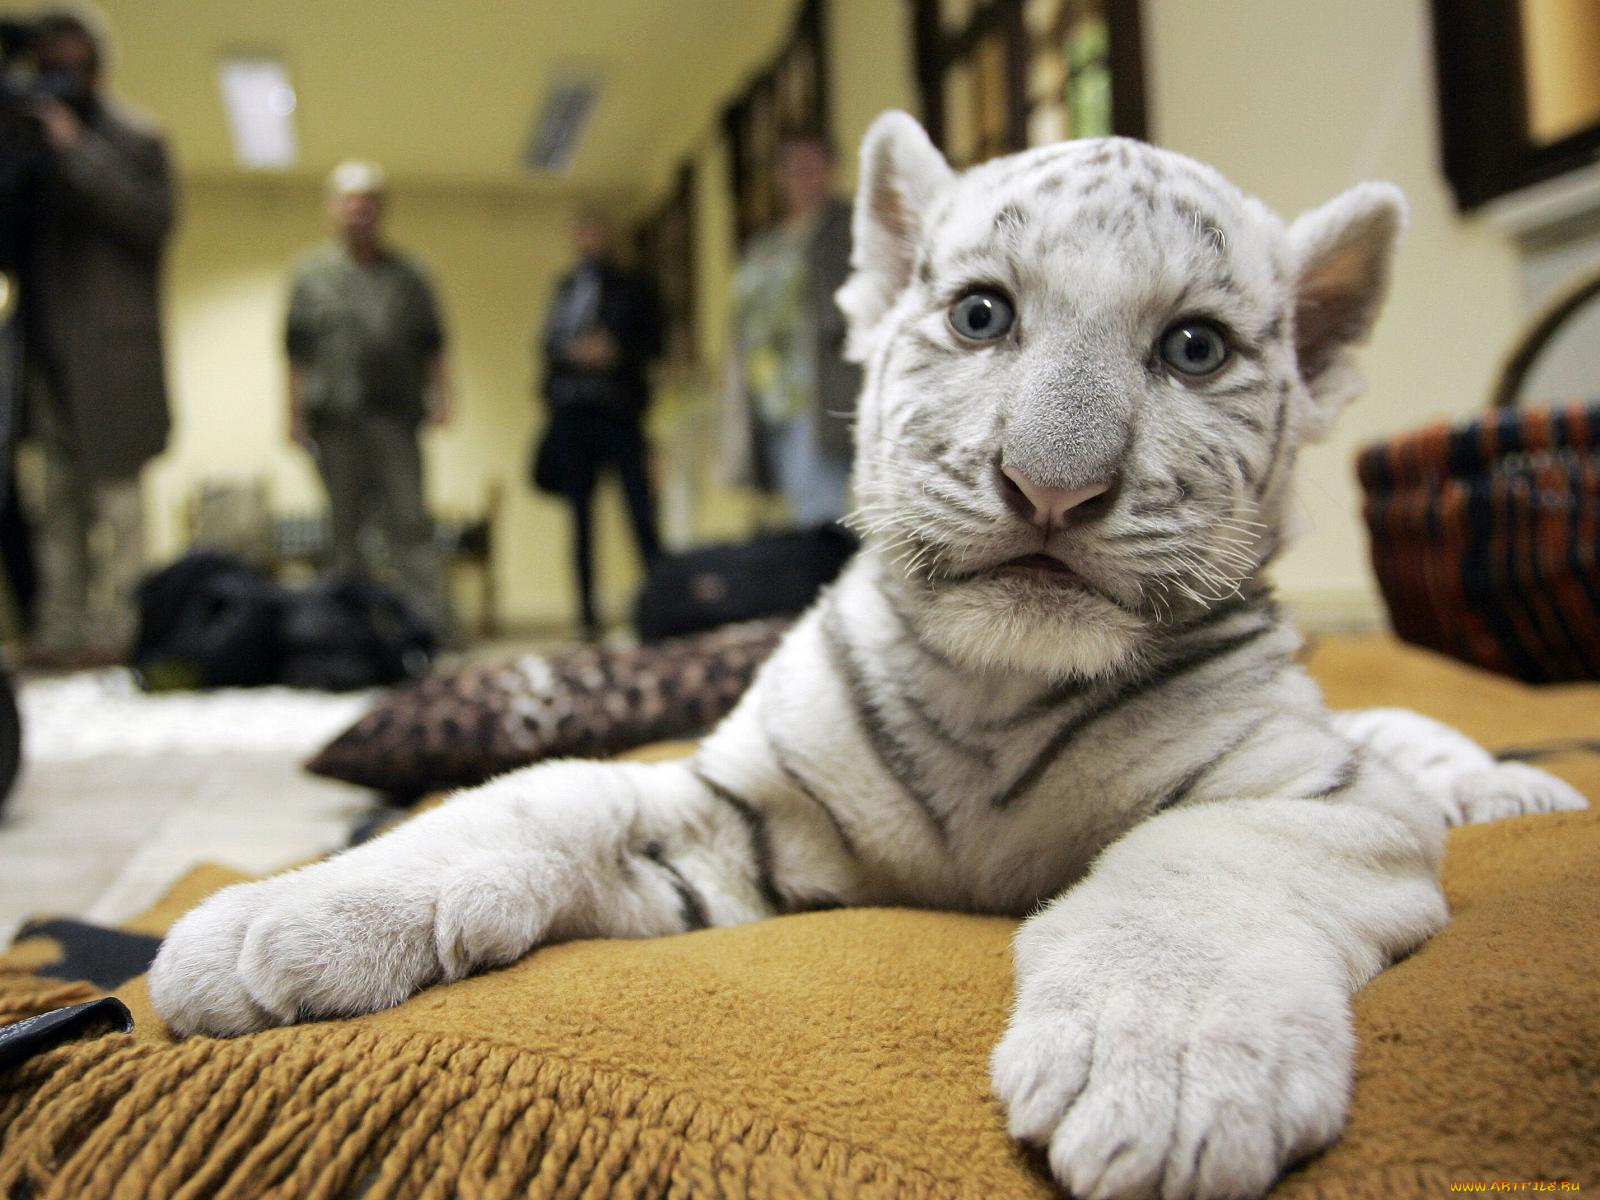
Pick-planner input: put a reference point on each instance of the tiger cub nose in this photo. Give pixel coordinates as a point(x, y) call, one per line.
point(1046, 506)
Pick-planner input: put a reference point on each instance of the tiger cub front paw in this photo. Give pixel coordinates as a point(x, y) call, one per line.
point(348, 936)
point(1147, 1088)
point(1513, 789)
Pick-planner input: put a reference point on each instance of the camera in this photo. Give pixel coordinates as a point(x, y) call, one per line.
point(15, 38)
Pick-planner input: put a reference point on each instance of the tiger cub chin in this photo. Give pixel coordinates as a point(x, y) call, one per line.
point(1053, 683)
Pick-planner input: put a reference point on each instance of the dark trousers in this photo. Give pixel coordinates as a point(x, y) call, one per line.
point(371, 466)
point(592, 441)
point(91, 540)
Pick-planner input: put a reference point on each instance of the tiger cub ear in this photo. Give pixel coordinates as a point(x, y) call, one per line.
point(901, 173)
point(1341, 253)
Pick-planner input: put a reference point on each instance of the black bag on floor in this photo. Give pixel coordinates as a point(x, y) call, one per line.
point(338, 637)
point(773, 575)
point(207, 620)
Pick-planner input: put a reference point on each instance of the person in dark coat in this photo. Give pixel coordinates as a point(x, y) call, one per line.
point(22, 158)
point(97, 381)
point(604, 330)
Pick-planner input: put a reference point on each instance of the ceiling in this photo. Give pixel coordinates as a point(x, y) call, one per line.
point(447, 92)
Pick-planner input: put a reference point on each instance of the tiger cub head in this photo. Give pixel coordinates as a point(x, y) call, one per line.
point(1089, 368)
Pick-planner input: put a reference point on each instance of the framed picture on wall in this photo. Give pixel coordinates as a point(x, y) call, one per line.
point(1519, 92)
point(1001, 75)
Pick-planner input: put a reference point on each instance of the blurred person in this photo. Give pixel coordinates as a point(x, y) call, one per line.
point(96, 381)
point(792, 394)
point(22, 157)
point(604, 329)
point(367, 369)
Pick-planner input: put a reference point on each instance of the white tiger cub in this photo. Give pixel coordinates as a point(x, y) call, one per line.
point(1051, 683)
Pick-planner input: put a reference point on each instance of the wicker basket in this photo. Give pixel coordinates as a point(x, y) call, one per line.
point(1486, 537)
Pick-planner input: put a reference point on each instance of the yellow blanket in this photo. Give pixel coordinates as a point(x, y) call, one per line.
point(835, 1054)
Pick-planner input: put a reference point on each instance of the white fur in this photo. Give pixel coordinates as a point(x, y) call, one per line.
point(1130, 752)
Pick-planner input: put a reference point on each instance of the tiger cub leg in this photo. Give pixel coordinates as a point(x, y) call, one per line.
point(1182, 1025)
point(1463, 778)
point(570, 849)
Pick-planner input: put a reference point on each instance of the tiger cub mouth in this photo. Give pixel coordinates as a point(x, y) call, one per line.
point(1039, 566)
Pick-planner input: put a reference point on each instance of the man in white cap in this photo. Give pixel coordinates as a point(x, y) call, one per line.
point(366, 370)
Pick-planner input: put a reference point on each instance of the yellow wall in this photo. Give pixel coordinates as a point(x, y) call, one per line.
point(494, 258)
point(872, 69)
point(494, 252)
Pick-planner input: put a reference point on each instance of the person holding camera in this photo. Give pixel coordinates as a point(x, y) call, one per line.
point(96, 381)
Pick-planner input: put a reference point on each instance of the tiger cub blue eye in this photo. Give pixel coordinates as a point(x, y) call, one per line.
point(1194, 348)
point(982, 316)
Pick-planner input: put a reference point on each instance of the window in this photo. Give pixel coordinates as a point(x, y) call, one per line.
point(1002, 75)
point(1519, 92)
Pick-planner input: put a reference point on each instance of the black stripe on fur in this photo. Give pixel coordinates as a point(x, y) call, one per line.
point(1185, 663)
point(897, 758)
point(781, 757)
point(690, 903)
point(760, 839)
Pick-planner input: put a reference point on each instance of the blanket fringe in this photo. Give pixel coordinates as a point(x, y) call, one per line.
point(359, 1112)
point(24, 995)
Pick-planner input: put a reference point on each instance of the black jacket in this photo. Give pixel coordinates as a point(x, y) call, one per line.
point(105, 209)
point(630, 311)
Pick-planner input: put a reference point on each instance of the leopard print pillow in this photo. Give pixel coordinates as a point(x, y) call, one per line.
point(460, 728)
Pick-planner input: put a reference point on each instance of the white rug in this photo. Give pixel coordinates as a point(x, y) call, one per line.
point(96, 713)
point(122, 792)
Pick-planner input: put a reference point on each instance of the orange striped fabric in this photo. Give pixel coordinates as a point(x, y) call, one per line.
point(1486, 539)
